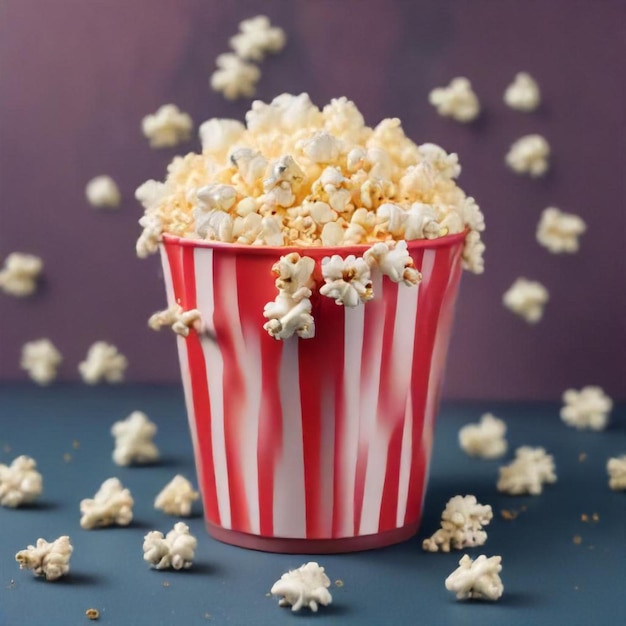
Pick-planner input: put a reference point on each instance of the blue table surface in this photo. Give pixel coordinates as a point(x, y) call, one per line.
point(549, 578)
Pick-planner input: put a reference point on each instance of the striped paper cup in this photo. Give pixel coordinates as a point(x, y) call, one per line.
point(311, 445)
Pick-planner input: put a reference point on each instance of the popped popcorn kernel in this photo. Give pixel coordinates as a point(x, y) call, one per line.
point(179, 320)
point(40, 359)
point(103, 193)
point(103, 363)
point(257, 37)
point(112, 505)
point(393, 260)
point(306, 586)
point(527, 299)
point(588, 408)
point(48, 559)
point(20, 482)
point(457, 100)
point(133, 440)
point(523, 93)
point(616, 468)
point(176, 550)
point(477, 579)
point(485, 439)
point(168, 127)
point(234, 78)
point(176, 497)
point(529, 155)
point(559, 231)
point(19, 275)
point(348, 281)
point(526, 474)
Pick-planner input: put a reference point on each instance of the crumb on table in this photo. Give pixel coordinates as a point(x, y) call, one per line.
point(92, 614)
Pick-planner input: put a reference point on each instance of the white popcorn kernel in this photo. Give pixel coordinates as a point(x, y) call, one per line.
point(112, 505)
point(477, 579)
point(559, 231)
point(445, 164)
point(103, 193)
point(50, 560)
point(133, 440)
point(20, 482)
point(176, 497)
point(527, 299)
point(285, 179)
point(616, 468)
point(248, 229)
point(457, 100)
point(392, 218)
point(179, 320)
point(348, 281)
point(218, 136)
point(168, 127)
point(421, 222)
point(526, 474)
point(322, 147)
point(246, 207)
point(41, 359)
point(250, 164)
point(473, 251)
point(485, 439)
point(588, 408)
point(148, 242)
point(19, 275)
point(343, 119)
point(393, 261)
point(334, 186)
point(103, 363)
point(355, 159)
point(462, 524)
point(234, 78)
point(523, 93)
point(176, 550)
point(320, 212)
point(332, 234)
point(271, 231)
point(217, 197)
point(214, 224)
point(150, 194)
point(257, 37)
point(529, 155)
point(472, 215)
point(306, 586)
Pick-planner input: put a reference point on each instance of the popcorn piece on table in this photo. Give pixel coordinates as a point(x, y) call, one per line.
point(394, 261)
point(526, 298)
point(103, 193)
point(20, 482)
point(176, 497)
point(529, 155)
point(526, 474)
point(50, 560)
point(40, 359)
point(257, 37)
point(19, 275)
point(168, 127)
point(112, 505)
point(457, 100)
point(559, 231)
point(587, 408)
point(477, 579)
point(103, 362)
point(305, 586)
point(462, 524)
point(234, 78)
point(348, 280)
point(523, 93)
point(133, 440)
point(179, 320)
point(616, 468)
point(176, 550)
point(485, 439)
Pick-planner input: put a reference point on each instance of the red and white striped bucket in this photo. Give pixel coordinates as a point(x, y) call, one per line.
point(311, 445)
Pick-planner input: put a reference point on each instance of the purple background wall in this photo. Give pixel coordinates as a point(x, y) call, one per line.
point(77, 77)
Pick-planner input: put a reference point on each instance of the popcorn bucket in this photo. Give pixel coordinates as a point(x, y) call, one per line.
point(311, 445)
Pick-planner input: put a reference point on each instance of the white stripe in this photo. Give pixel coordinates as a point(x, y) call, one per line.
point(405, 463)
point(327, 456)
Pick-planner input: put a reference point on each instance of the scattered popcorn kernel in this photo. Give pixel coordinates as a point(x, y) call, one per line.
point(256, 38)
point(588, 408)
point(477, 579)
point(176, 550)
point(50, 560)
point(103, 193)
point(92, 614)
point(616, 468)
point(234, 78)
point(168, 127)
point(176, 497)
point(393, 260)
point(485, 439)
point(306, 586)
point(133, 440)
point(527, 473)
point(529, 155)
point(457, 100)
point(19, 275)
point(40, 359)
point(523, 93)
point(20, 482)
point(559, 231)
point(179, 320)
point(112, 505)
point(526, 298)
point(348, 280)
point(103, 363)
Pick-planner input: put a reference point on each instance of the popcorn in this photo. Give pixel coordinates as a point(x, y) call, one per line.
point(588, 408)
point(19, 275)
point(175, 550)
point(485, 439)
point(103, 362)
point(20, 482)
point(103, 193)
point(111, 505)
point(457, 101)
point(462, 524)
point(305, 586)
point(348, 280)
point(523, 93)
point(40, 359)
point(168, 127)
point(179, 320)
point(50, 560)
point(393, 261)
point(559, 231)
point(148, 242)
point(616, 468)
point(234, 78)
point(526, 474)
point(529, 155)
point(477, 578)
point(218, 135)
point(133, 440)
point(257, 37)
point(176, 497)
point(445, 164)
point(473, 251)
point(526, 298)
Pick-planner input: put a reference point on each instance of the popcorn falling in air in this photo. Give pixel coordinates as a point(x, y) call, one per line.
point(529, 155)
point(527, 473)
point(256, 38)
point(305, 586)
point(103, 193)
point(40, 359)
point(559, 231)
point(168, 127)
point(103, 363)
point(457, 100)
point(179, 320)
point(485, 439)
point(462, 524)
point(112, 505)
point(19, 275)
point(523, 93)
point(588, 408)
point(616, 468)
point(50, 560)
point(526, 298)
point(176, 550)
point(176, 497)
point(477, 579)
point(133, 440)
point(234, 77)
point(348, 281)
point(20, 482)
